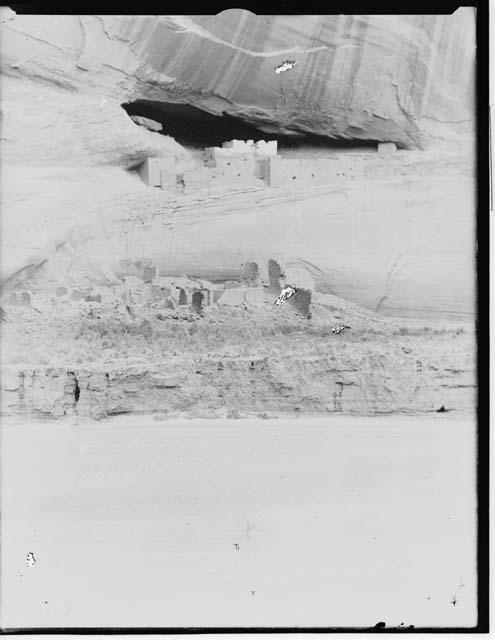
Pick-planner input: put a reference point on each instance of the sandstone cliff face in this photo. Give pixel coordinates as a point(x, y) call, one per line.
point(364, 77)
point(408, 79)
point(69, 206)
point(359, 381)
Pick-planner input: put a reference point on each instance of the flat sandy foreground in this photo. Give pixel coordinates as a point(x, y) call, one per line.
point(303, 522)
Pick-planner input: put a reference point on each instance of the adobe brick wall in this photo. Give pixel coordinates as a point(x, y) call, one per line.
point(230, 166)
point(238, 170)
point(158, 172)
point(313, 171)
point(262, 169)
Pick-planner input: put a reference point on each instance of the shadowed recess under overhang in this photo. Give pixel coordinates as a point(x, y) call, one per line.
point(192, 126)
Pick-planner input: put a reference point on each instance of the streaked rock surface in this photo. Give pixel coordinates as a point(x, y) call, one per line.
point(407, 79)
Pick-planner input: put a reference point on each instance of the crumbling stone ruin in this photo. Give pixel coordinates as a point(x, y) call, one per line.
point(251, 274)
point(274, 276)
point(139, 284)
point(301, 300)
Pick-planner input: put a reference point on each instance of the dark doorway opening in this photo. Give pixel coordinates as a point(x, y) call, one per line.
point(182, 297)
point(197, 301)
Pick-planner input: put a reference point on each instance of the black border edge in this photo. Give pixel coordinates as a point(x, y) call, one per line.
point(482, 321)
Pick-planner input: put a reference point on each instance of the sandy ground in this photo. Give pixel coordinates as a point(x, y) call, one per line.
point(303, 522)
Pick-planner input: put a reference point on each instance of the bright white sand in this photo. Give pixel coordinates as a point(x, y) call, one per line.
point(339, 522)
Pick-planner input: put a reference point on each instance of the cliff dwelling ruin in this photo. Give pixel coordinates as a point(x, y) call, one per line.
point(246, 163)
point(230, 153)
